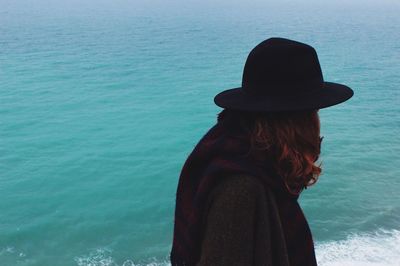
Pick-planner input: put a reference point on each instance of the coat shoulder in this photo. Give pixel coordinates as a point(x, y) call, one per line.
point(240, 189)
point(229, 223)
point(241, 184)
point(242, 225)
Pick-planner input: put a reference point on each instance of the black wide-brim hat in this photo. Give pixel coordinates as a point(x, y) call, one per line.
point(283, 75)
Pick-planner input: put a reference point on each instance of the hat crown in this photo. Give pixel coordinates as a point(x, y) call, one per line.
point(278, 66)
point(283, 75)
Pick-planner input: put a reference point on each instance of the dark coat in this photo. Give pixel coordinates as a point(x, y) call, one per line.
point(242, 226)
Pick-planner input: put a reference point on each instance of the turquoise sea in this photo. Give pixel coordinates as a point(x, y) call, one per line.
point(102, 101)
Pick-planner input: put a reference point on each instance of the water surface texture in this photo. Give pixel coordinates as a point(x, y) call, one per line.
point(102, 101)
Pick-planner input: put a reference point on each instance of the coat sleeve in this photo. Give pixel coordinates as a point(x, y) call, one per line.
point(230, 224)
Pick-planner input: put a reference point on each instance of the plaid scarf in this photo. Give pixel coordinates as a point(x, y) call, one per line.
point(221, 152)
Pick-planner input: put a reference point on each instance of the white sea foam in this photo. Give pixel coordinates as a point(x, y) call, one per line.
point(103, 257)
point(381, 248)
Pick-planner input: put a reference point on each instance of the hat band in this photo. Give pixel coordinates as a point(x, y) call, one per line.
point(285, 88)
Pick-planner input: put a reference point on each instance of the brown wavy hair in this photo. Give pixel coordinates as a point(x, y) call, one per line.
point(292, 137)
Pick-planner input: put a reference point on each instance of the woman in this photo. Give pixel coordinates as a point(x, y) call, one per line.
point(236, 201)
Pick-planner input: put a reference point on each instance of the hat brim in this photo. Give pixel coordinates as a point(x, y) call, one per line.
point(331, 94)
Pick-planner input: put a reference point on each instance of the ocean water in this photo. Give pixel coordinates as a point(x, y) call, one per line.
point(102, 101)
